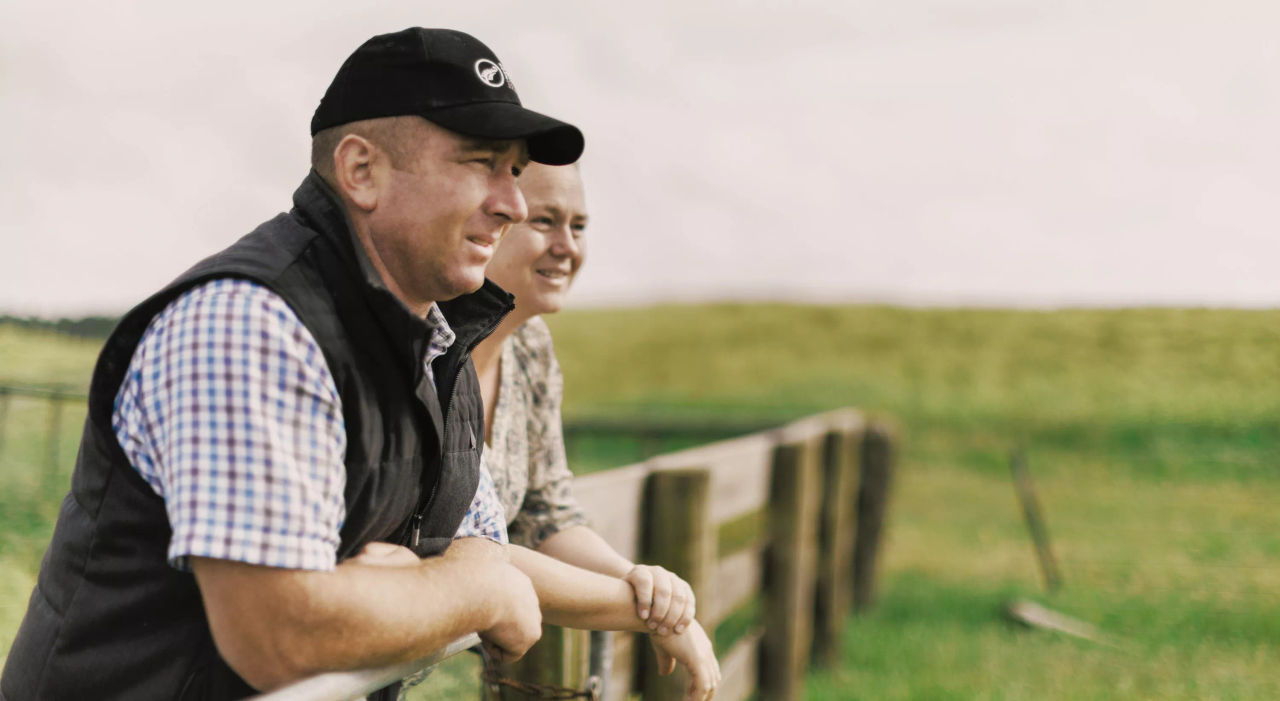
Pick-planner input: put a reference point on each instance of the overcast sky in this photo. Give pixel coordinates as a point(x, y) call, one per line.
point(1012, 152)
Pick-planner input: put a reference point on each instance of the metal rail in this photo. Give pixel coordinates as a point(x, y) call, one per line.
point(342, 686)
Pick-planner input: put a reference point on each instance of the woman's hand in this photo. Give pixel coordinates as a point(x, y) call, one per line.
point(663, 600)
point(693, 651)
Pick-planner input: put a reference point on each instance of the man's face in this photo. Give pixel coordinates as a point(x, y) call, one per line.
point(443, 211)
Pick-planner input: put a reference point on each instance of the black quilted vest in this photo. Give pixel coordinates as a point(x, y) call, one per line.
point(109, 619)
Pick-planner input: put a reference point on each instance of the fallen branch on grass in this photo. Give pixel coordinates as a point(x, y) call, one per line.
point(1031, 614)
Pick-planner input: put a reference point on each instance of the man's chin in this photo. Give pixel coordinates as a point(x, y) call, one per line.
point(463, 285)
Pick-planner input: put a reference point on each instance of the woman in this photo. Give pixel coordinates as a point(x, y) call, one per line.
point(522, 388)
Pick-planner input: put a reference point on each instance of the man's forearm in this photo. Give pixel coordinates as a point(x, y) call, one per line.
point(275, 626)
point(578, 598)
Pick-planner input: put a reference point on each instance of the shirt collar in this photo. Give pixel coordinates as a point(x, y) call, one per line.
point(442, 337)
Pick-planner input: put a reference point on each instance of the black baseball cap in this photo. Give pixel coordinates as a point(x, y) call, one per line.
point(449, 78)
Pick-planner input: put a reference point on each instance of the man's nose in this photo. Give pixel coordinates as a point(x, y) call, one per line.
point(506, 201)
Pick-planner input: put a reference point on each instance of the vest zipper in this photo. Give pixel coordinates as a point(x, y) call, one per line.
point(417, 529)
point(448, 411)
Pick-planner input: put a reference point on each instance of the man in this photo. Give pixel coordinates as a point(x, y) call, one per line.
point(260, 429)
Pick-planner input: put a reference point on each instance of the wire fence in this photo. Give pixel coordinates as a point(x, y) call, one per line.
point(33, 419)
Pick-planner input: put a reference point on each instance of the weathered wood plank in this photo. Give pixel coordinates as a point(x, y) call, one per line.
point(622, 674)
point(739, 471)
point(743, 531)
point(833, 592)
point(740, 669)
point(790, 564)
point(810, 428)
point(613, 501)
point(736, 580)
point(876, 475)
point(678, 536)
point(559, 658)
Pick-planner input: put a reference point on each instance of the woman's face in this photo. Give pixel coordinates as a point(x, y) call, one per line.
point(539, 257)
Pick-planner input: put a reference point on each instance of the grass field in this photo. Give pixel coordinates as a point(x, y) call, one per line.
point(1153, 436)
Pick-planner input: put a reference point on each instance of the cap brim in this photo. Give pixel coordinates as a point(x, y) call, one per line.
point(550, 140)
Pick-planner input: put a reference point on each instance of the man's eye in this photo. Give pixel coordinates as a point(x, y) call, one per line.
point(516, 171)
point(543, 221)
point(578, 230)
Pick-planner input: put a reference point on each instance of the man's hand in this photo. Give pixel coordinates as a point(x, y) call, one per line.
point(513, 602)
point(517, 614)
point(379, 554)
point(663, 600)
point(694, 652)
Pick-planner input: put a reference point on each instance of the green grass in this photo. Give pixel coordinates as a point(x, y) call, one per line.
point(33, 474)
point(1153, 437)
point(954, 366)
point(43, 357)
point(1183, 575)
point(932, 638)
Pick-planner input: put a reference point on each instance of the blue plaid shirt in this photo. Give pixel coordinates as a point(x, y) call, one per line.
point(229, 412)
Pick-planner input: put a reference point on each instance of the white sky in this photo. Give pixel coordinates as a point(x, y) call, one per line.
point(922, 151)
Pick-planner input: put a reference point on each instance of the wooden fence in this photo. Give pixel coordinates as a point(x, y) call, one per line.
point(55, 400)
point(777, 532)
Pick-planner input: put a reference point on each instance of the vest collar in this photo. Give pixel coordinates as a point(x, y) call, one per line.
point(316, 202)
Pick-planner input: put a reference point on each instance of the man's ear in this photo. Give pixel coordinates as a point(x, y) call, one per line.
point(357, 165)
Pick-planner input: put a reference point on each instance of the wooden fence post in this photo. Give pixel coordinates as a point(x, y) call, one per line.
point(873, 496)
point(833, 589)
point(559, 658)
point(677, 536)
point(789, 567)
point(1035, 520)
point(55, 431)
point(4, 414)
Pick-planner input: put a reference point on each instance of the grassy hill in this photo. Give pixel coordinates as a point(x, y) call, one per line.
point(1154, 437)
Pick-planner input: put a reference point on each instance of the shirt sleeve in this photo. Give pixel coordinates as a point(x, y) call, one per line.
point(485, 517)
point(549, 505)
point(229, 412)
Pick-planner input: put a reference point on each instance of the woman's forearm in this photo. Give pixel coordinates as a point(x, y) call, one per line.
point(582, 547)
point(577, 598)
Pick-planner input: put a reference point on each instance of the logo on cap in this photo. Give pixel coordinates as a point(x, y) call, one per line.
point(490, 73)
